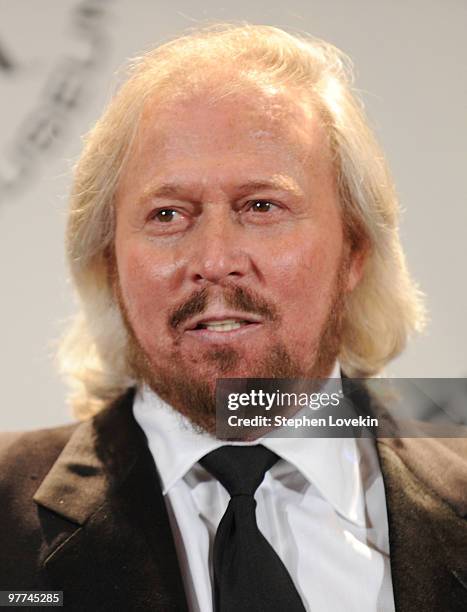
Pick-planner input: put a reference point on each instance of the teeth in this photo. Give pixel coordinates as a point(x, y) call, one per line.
point(223, 326)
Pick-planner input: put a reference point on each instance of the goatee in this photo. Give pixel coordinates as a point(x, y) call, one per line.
point(195, 398)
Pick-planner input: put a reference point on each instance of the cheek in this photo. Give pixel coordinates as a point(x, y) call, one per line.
point(304, 280)
point(144, 284)
point(307, 264)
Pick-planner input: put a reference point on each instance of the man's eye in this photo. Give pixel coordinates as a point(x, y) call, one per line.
point(167, 221)
point(261, 206)
point(165, 215)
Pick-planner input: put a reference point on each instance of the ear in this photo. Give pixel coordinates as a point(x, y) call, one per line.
point(357, 259)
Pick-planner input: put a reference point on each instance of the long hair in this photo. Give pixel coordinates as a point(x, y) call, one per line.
point(380, 313)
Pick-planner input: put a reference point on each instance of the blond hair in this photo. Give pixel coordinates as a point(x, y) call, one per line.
point(382, 311)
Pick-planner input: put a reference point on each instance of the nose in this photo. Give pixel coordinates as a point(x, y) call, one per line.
point(220, 251)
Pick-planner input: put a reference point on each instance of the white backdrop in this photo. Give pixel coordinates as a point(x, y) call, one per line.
point(58, 60)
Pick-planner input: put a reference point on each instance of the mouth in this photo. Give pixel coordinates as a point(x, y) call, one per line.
point(222, 328)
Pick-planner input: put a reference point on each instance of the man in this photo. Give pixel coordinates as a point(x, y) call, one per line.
point(232, 216)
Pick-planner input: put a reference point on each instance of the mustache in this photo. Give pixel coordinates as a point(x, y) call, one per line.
point(239, 298)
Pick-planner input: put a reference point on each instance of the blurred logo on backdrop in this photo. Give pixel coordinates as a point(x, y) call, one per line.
point(5, 62)
point(65, 90)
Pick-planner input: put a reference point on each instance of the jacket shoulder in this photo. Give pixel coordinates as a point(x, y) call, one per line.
point(439, 463)
point(29, 454)
point(25, 459)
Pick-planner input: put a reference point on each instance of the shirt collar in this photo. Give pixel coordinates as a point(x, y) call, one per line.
point(332, 465)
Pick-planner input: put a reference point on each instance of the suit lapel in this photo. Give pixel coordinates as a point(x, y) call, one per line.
point(427, 535)
point(425, 481)
point(108, 543)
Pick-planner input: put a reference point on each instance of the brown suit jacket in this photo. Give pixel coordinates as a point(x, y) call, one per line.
point(82, 511)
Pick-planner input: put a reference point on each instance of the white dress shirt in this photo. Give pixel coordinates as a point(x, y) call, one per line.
point(321, 506)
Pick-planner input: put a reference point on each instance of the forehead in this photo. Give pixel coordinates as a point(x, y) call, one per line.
point(270, 126)
point(250, 112)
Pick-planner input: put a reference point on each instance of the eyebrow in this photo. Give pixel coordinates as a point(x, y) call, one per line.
point(175, 190)
point(279, 184)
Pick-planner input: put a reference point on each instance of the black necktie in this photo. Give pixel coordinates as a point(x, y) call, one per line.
point(248, 574)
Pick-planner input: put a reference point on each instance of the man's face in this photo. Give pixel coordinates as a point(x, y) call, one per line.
point(230, 251)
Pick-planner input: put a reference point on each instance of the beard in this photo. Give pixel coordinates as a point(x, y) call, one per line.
point(195, 398)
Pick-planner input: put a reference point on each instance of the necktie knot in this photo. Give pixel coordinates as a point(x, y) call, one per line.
point(240, 469)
